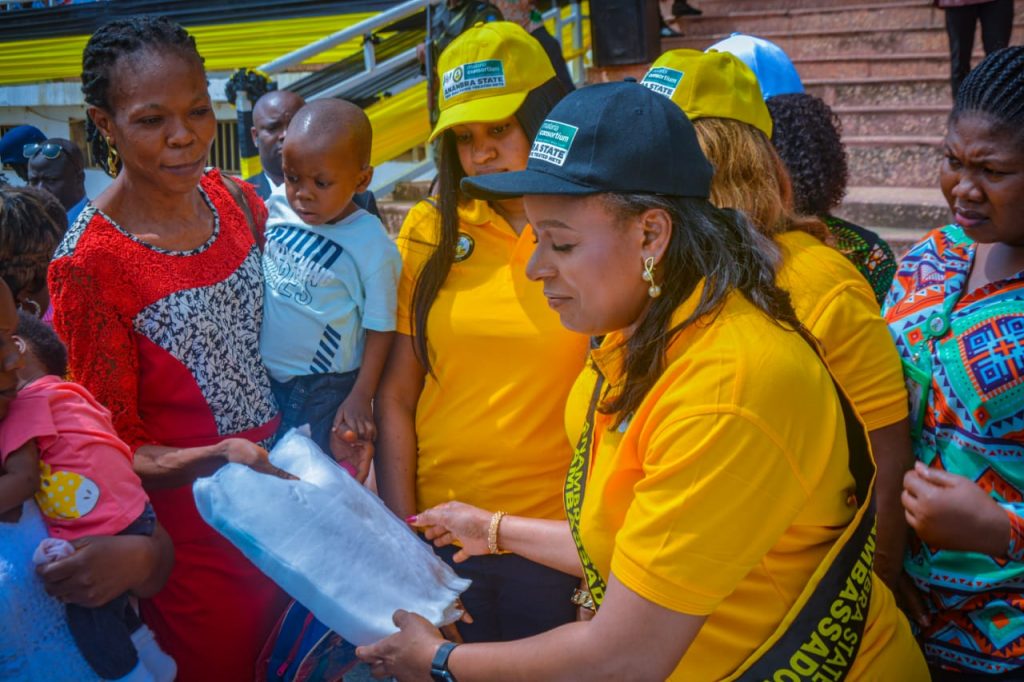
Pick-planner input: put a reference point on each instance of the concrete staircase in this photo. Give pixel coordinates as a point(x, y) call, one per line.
point(395, 206)
point(883, 66)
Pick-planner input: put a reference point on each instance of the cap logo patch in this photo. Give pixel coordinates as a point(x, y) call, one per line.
point(483, 75)
point(554, 139)
point(663, 80)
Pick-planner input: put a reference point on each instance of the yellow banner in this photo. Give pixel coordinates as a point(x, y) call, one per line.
point(399, 123)
point(225, 47)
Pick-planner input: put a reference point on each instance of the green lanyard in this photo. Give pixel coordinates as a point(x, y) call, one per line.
point(575, 487)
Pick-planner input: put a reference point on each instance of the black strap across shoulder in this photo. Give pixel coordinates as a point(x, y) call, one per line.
point(818, 639)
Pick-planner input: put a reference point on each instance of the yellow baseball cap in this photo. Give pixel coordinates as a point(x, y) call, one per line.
point(486, 73)
point(710, 85)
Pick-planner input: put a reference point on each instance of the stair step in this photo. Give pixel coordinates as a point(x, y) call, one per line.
point(908, 120)
point(866, 17)
point(882, 91)
point(392, 214)
point(904, 212)
point(884, 162)
point(801, 43)
point(414, 190)
point(710, 7)
point(910, 65)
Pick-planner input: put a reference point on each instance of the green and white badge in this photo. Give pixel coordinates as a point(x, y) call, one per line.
point(554, 139)
point(465, 78)
point(663, 80)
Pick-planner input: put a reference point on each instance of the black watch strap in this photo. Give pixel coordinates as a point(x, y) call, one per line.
point(439, 666)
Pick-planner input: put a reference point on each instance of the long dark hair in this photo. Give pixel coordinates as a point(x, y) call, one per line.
point(719, 246)
point(530, 115)
point(111, 42)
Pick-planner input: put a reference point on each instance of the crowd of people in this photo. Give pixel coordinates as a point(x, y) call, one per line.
point(623, 369)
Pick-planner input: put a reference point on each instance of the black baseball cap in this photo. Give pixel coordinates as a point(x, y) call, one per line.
point(611, 137)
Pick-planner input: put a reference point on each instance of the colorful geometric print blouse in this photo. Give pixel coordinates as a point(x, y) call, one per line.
point(963, 357)
point(869, 253)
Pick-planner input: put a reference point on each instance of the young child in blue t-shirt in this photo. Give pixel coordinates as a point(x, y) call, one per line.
point(331, 279)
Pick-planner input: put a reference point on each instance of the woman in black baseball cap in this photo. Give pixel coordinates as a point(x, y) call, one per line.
point(719, 495)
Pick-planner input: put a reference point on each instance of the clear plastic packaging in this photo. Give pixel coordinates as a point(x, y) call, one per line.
point(329, 542)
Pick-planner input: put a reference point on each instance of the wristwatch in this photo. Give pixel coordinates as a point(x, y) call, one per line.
point(439, 666)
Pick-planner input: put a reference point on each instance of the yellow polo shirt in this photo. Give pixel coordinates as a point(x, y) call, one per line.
point(489, 424)
point(836, 304)
point(726, 488)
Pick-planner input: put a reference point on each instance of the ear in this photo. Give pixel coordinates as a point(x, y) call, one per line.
point(24, 295)
point(657, 232)
point(19, 343)
point(252, 131)
point(103, 121)
point(366, 177)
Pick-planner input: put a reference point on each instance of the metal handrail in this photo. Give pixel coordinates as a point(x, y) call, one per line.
point(363, 28)
point(374, 69)
point(379, 69)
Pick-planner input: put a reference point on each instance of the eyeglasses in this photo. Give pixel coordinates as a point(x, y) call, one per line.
point(50, 150)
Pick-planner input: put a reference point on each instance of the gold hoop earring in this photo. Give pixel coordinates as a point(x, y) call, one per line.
point(112, 158)
point(654, 291)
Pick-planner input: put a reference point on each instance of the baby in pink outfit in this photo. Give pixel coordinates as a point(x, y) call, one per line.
point(58, 445)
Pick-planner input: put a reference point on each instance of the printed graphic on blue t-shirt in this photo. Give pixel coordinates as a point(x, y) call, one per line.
point(325, 285)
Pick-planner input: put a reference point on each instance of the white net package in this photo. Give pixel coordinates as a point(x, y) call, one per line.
point(329, 542)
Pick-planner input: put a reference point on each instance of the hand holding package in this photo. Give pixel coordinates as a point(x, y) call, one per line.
point(329, 542)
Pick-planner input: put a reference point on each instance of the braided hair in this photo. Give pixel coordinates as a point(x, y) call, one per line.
point(995, 89)
point(110, 43)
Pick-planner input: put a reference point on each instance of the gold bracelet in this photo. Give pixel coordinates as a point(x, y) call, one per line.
point(492, 532)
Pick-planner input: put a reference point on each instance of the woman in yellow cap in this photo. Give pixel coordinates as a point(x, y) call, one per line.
point(720, 492)
point(721, 95)
point(470, 401)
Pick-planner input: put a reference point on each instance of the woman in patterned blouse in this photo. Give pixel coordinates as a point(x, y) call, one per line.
point(158, 295)
point(956, 311)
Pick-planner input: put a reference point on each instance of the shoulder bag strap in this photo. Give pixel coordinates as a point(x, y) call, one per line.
point(239, 196)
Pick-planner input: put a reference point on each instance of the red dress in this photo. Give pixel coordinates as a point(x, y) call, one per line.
point(168, 341)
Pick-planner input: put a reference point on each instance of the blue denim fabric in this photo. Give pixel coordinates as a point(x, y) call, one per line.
point(104, 633)
point(313, 400)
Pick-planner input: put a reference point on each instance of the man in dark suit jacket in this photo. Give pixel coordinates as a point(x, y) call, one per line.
point(270, 118)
